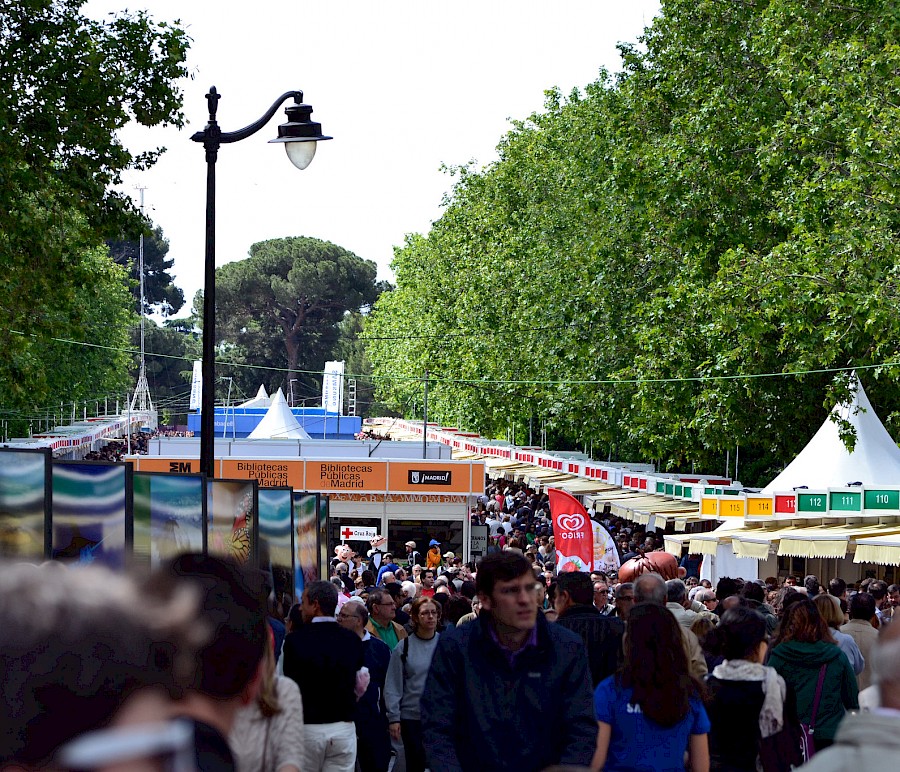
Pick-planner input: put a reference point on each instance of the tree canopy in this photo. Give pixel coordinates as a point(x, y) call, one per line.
point(160, 292)
point(279, 310)
point(678, 260)
point(67, 85)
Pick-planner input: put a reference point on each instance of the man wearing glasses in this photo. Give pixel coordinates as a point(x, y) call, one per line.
point(373, 744)
point(601, 598)
point(382, 611)
point(624, 601)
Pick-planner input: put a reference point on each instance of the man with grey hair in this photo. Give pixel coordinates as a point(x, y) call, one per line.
point(651, 588)
point(372, 739)
point(870, 740)
point(678, 604)
point(382, 611)
point(707, 598)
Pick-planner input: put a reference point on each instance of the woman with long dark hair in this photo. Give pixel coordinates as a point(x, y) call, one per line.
point(806, 655)
point(651, 712)
point(748, 702)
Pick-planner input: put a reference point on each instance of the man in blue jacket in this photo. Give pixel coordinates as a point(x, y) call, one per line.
point(508, 675)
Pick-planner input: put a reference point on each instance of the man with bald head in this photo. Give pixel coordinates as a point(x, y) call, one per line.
point(651, 588)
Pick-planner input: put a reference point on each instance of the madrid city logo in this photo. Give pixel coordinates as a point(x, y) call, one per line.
point(430, 477)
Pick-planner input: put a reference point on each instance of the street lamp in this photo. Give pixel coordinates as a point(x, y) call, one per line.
point(299, 136)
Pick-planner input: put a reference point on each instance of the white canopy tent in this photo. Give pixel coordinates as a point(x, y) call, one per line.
point(825, 462)
point(279, 423)
point(261, 399)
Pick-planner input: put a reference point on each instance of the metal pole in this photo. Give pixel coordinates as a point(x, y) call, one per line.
point(737, 457)
point(227, 403)
point(208, 393)
point(425, 419)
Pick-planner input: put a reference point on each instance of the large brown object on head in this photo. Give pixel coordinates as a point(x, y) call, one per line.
point(661, 562)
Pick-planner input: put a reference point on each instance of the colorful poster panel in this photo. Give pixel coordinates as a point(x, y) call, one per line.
point(276, 540)
point(324, 555)
point(232, 520)
point(90, 507)
point(25, 495)
point(306, 521)
point(169, 516)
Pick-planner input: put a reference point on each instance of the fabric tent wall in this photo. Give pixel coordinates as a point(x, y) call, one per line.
point(279, 423)
point(726, 563)
point(825, 461)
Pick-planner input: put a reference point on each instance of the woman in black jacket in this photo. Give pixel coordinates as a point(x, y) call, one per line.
point(748, 704)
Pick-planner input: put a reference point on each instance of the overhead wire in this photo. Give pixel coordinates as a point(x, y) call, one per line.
point(432, 378)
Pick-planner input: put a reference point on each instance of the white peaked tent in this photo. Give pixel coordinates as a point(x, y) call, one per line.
point(278, 423)
point(825, 461)
point(260, 400)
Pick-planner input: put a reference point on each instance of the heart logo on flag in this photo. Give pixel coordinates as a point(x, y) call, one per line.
point(571, 522)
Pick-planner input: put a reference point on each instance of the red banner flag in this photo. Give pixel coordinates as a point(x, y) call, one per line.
point(573, 533)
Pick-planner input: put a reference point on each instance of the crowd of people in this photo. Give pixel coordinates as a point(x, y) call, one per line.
point(421, 661)
point(139, 444)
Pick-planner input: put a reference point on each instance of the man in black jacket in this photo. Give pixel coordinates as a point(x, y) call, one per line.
point(324, 659)
point(508, 674)
point(602, 635)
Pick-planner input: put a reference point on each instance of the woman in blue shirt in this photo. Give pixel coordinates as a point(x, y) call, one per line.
point(651, 713)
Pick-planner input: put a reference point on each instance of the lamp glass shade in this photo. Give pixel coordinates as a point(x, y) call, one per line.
point(300, 153)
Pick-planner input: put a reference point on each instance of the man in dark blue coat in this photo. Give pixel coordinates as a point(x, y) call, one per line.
point(509, 674)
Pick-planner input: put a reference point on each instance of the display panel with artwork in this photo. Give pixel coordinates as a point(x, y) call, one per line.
point(306, 520)
point(276, 539)
point(25, 494)
point(232, 518)
point(169, 516)
point(89, 514)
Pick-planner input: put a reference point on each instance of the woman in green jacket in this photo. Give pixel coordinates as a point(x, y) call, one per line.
point(802, 646)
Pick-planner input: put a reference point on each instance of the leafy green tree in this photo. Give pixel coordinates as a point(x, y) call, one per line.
point(280, 310)
point(67, 85)
point(160, 293)
point(640, 254)
point(171, 351)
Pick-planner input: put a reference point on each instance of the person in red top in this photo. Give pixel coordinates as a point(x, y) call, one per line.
point(427, 584)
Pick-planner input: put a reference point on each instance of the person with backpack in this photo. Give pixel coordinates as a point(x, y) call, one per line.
point(410, 661)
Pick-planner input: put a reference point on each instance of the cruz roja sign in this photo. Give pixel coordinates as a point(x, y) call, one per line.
point(358, 533)
point(423, 477)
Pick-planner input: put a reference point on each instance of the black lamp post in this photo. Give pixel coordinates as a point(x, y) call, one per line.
point(299, 135)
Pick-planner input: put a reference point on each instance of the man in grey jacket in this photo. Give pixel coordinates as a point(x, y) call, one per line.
point(862, 612)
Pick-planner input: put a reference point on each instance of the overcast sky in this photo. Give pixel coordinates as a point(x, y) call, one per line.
point(403, 87)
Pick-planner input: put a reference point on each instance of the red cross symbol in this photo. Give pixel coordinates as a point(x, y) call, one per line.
point(346, 533)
